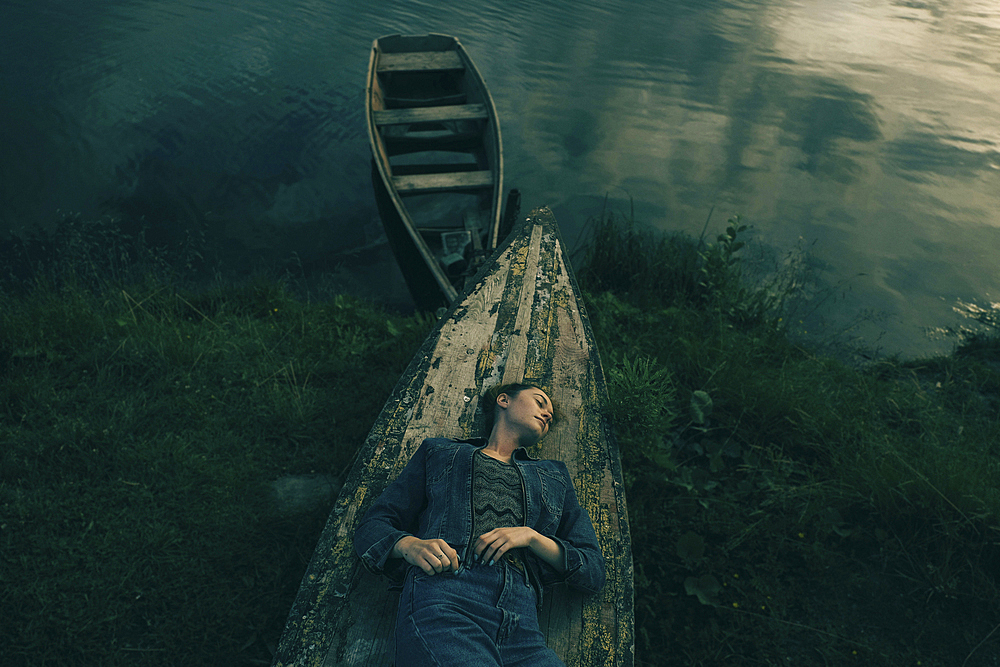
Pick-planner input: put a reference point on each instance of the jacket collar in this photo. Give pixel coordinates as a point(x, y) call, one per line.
point(521, 454)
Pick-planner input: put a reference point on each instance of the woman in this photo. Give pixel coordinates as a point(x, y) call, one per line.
point(474, 529)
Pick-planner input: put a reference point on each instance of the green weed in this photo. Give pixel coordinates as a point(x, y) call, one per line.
point(786, 508)
point(142, 425)
point(789, 495)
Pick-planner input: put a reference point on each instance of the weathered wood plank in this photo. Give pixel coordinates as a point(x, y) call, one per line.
point(448, 182)
point(522, 320)
point(457, 142)
point(414, 43)
point(411, 168)
point(427, 61)
point(431, 114)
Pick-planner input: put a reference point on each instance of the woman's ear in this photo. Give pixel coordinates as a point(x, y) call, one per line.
point(503, 400)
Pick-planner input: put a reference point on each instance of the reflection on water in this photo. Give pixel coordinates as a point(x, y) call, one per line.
point(866, 128)
point(974, 320)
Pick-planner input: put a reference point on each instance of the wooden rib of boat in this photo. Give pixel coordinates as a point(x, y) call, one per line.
point(438, 161)
point(522, 320)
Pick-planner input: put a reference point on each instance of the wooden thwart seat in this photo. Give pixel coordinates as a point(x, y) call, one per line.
point(420, 61)
point(466, 142)
point(446, 182)
point(395, 100)
point(430, 114)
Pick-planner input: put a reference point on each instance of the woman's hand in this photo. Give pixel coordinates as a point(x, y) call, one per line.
point(432, 556)
point(491, 546)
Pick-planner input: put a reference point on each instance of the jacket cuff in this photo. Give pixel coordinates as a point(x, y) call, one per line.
point(378, 555)
point(571, 561)
point(571, 564)
point(577, 572)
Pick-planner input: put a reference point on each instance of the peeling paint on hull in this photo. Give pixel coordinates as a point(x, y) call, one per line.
point(522, 320)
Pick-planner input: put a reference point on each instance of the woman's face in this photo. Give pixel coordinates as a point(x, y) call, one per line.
point(529, 411)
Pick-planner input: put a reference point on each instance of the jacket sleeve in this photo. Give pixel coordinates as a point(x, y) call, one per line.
point(583, 559)
point(394, 514)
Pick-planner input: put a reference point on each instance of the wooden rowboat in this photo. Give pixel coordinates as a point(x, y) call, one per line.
point(522, 319)
point(438, 161)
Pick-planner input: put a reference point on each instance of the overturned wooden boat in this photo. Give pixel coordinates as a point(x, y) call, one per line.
point(522, 320)
point(438, 161)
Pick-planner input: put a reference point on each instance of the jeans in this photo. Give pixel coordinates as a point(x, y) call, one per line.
point(483, 615)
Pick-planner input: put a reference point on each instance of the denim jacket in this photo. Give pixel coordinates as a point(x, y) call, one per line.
point(432, 498)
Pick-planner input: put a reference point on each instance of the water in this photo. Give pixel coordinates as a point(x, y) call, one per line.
point(862, 134)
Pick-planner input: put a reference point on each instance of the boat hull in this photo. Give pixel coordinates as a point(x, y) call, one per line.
point(438, 161)
point(522, 321)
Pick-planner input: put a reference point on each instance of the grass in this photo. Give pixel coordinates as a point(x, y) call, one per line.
point(786, 508)
point(141, 426)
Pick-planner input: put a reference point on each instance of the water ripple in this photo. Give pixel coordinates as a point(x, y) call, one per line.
point(869, 127)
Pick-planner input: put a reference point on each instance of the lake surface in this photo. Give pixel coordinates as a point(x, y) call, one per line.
point(858, 138)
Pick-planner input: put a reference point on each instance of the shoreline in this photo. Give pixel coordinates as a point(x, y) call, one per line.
point(784, 505)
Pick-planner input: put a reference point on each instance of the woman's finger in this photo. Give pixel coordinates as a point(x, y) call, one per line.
point(448, 556)
point(430, 556)
point(483, 550)
point(494, 550)
point(483, 545)
point(453, 558)
point(494, 544)
point(440, 556)
point(425, 563)
point(419, 559)
point(434, 557)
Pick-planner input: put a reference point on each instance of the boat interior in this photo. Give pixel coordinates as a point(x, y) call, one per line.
point(437, 143)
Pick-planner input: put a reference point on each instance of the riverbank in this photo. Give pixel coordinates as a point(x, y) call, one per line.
point(786, 508)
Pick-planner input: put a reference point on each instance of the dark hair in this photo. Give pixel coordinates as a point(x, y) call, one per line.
point(490, 408)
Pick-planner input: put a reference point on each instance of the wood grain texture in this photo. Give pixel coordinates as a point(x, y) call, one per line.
point(523, 320)
point(446, 182)
point(431, 114)
point(427, 61)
